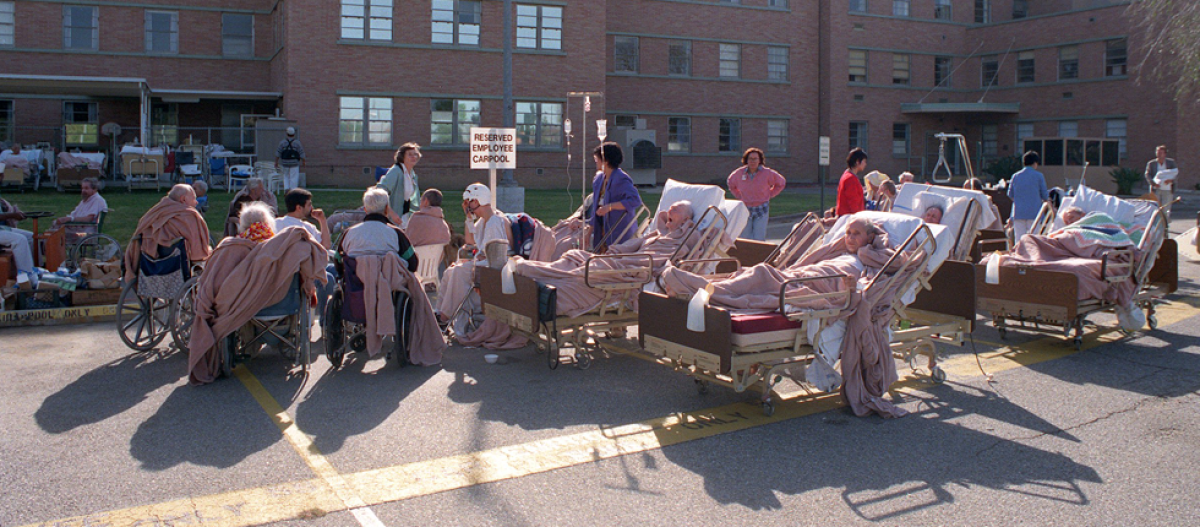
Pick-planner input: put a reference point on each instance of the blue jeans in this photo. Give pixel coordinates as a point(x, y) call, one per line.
point(756, 227)
point(325, 291)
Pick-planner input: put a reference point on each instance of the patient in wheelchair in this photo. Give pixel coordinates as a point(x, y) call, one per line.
point(173, 217)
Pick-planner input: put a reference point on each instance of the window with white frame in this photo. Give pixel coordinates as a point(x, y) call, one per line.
point(942, 66)
point(625, 54)
point(365, 121)
point(1068, 62)
point(450, 121)
point(1068, 129)
point(367, 19)
point(900, 69)
point(164, 123)
point(679, 134)
point(1116, 128)
point(729, 135)
point(730, 62)
point(81, 27)
point(679, 58)
point(1115, 56)
point(858, 135)
point(1026, 68)
point(1024, 131)
point(858, 6)
point(81, 123)
point(990, 140)
point(777, 3)
point(983, 11)
point(777, 136)
point(858, 65)
point(237, 35)
point(539, 26)
point(539, 124)
point(989, 71)
point(8, 23)
point(457, 22)
point(162, 31)
point(900, 138)
point(943, 10)
point(777, 63)
point(6, 120)
point(901, 7)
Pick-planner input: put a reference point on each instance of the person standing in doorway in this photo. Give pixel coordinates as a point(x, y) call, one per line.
point(1161, 174)
point(756, 185)
point(1028, 191)
point(400, 181)
point(290, 157)
point(850, 198)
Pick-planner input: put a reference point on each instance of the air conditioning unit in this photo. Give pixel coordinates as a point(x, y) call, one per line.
point(643, 156)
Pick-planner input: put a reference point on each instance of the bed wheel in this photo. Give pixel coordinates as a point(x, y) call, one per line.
point(552, 356)
point(701, 386)
point(583, 360)
point(938, 375)
point(768, 408)
point(1152, 320)
point(1078, 343)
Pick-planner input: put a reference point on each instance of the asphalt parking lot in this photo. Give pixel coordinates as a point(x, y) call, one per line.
point(1025, 431)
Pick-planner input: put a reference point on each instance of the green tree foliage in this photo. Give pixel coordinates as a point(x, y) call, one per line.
point(1170, 42)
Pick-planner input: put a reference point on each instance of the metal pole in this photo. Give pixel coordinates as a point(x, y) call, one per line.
point(821, 177)
point(583, 152)
point(509, 118)
point(492, 184)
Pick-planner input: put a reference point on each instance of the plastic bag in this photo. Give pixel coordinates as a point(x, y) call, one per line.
point(695, 316)
point(992, 276)
point(508, 284)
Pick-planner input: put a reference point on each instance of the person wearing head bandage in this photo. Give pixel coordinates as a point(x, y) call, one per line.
point(485, 224)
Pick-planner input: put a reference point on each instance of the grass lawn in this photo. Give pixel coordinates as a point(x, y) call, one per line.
point(127, 207)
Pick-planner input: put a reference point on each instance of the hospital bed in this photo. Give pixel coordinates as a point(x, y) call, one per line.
point(141, 164)
point(66, 176)
point(1048, 301)
point(531, 310)
point(755, 351)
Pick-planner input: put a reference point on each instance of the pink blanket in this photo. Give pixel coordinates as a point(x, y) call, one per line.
point(1067, 254)
point(381, 275)
point(66, 160)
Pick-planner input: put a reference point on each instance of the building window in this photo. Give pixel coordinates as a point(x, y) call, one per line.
point(367, 19)
point(858, 6)
point(456, 22)
point(900, 139)
point(679, 134)
point(858, 65)
point(1068, 62)
point(1068, 129)
point(730, 60)
point(858, 135)
point(991, 140)
point(164, 124)
point(983, 11)
point(777, 136)
point(941, 71)
point(6, 120)
point(81, 124)
point(365, 121)
point(450, 121)
point(1025, 67)
point(81, 27)
point(1114, 58)
point(1024, 131)
point(1115, 128)
point(8, 23)
point(237, 35)
point(777, 3)
point(729, 136)
point(901, 7)
point(162, 32)
point(777, 63)
point(942, 10)
point(989, 68)
point(900, 65)
point(539, 27)
point(679, 58)
point(625, 54)
point(625, 121)
point(731, 2)
point(539, 124)
point(1020, 9)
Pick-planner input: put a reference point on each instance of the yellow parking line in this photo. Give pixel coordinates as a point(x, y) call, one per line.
point(333, 492)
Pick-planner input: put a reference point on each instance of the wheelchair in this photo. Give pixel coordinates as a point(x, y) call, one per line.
point(284, 325)
point(344, 322)
point(159, 300)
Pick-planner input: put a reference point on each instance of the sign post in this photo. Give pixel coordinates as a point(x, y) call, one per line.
point(823, 161)
point(493, 149)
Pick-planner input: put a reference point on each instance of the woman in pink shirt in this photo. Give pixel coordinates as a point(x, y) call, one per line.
point(755, 185)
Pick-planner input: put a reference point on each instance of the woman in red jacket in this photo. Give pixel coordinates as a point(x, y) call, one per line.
point(850, 190)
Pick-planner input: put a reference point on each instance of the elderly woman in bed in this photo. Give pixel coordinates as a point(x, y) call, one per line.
point(1072, 215)
point(933, 214)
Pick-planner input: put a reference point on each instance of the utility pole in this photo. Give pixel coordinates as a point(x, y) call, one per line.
point(509, 117)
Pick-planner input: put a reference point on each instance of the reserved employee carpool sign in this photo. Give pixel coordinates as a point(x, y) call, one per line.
point(493, 148)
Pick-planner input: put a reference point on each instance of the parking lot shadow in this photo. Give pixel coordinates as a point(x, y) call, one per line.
point(109, 390)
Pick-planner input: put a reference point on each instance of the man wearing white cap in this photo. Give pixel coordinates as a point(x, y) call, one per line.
point(290, 157)
point(484, 224)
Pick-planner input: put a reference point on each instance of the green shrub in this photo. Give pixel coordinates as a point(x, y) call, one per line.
point(1125, 179)
point(1003, 168)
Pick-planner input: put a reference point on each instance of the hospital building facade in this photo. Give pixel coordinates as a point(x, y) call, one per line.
point(686, 85)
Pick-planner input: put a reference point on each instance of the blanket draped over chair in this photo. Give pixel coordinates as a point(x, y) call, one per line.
point(381, 275)
point(163, 223)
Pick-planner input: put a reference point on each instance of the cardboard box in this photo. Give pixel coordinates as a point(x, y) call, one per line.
point(13, 176)
point(95, 297)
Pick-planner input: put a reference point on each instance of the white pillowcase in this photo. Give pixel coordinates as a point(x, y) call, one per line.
point(701, 196)
point(1095, 201)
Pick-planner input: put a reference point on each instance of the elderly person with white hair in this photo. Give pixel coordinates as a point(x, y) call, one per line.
point(200, 187)
point(173, 217)
point(256, 223)
point(254, 191)
point(377, 234)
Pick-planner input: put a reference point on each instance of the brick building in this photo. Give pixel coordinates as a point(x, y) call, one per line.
point(710, 78)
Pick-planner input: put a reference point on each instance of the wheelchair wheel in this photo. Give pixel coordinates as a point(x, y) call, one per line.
point(93, 247)
point(303, 330)
point(334, 329)
point(183, 312)
point(142, 322)
point(227, 349)
point(403, 319)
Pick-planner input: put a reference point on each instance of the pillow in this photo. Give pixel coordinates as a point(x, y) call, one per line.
point(1095, 201)
point(924, 200)
point(701, 196)
point(737, 214)
point(906, 200)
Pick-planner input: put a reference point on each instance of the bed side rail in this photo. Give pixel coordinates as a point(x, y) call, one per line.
point(839, 300)
point(967, 231)
point(1044, 221)
point(1152, 241)
point(911, 269)
point(710, 237)
point(631, 277)
point(1116, 265)
point(802, 239)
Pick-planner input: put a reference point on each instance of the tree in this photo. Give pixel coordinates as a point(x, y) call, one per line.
point(1171, 42)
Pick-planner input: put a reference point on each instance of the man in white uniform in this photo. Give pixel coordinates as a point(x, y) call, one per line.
point(489, 225)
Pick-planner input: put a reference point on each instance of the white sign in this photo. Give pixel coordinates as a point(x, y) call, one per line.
point(494, 148)
point(823, 151)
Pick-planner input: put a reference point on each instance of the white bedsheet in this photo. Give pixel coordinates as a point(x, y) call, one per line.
point(701, 197)
point(141, 150)
point(899, 227)
point(905, 200)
